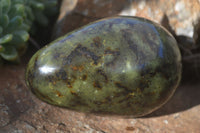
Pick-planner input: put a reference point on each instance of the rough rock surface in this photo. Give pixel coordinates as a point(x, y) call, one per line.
point(22, 112)
point(182, 16)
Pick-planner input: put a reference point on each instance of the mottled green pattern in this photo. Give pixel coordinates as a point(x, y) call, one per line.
point(120, 65)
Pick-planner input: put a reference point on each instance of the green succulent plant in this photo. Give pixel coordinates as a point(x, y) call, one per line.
point(17, 17)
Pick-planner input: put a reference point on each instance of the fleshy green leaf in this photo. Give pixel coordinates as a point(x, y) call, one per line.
point(17, 17)
point(6, 6)
point(5, 39)
point(10, 53)
point(17, 10)
point(37, 5)
point(20, 10)
point(18, 1)
point(1, 30)
point(1, 48)
point(30, 14)
point(20, 37)
point(25, 27)
point(4, 20)
point(14, 23)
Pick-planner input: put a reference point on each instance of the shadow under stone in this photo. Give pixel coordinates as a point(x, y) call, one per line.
point(185, 97)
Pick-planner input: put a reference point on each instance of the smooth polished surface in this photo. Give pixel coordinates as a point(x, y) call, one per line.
point(120, 66)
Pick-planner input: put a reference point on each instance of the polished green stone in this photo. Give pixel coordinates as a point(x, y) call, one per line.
point(125, 66)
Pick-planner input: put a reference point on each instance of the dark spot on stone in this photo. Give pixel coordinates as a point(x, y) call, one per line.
point(61, 74)
point(97, 85)
point(101, 72)
point(143, 84)
point(124, 99)
point(73, 93)
point(69, 85)
point(56, 55)
point(77, 68)
point(96, 42)
point(81, 51)
point(70, 81)
point(69, 58)
point(127, 97)
point(58, 94)
point(110, 25)
point(114, 53)
point(152, 45)
point(117, 94)
point(133, 47)
point(108, 99)
point(78, 101)
point(121, 86)
point(131, 43)
point(84, 77)
point(97, 103)
point(51, 78)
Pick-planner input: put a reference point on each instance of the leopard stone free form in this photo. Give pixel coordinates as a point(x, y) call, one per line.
point(125, 66)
